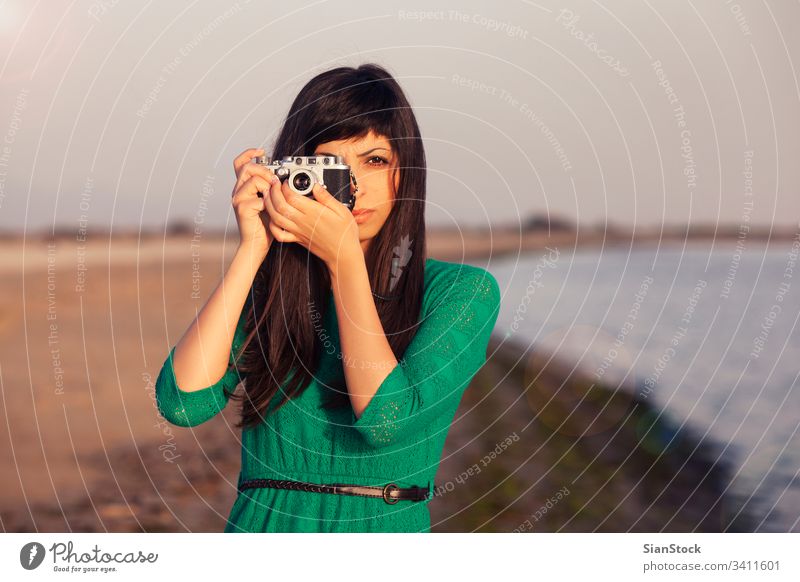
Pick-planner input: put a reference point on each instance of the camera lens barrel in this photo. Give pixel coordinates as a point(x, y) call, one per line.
point(302, 182)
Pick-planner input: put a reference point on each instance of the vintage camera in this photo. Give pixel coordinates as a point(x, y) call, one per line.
point(303, 172)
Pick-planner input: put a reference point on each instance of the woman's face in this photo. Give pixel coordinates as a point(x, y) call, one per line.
point(372, 161)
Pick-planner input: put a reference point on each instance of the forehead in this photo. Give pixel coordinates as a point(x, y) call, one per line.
point(370, 140)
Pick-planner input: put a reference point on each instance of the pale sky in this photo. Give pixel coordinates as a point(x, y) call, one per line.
point(126, 113)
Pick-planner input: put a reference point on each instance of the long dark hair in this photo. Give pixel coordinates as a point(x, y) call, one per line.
point(282, 349)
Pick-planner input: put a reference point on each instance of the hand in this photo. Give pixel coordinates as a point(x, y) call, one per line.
point(251, 180)
point(323, 225)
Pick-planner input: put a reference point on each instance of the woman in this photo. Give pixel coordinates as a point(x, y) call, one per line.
point(353, 347)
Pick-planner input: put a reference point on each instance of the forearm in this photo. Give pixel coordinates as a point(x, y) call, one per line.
point(367, 357)
point(201, 356)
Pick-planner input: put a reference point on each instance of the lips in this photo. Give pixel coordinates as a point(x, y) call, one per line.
point(358, 211)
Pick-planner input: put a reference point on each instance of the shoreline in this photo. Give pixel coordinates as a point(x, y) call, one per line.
point(38, 251)
point(619, 463)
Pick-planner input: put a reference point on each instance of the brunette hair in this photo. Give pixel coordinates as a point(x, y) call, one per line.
point(282, 349)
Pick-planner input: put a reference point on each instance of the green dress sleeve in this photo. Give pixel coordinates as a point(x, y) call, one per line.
point(424, 389)
point(185, 409)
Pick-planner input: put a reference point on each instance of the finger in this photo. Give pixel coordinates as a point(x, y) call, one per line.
point(245, 157)
point(251, 188)
point(251, 169)
point(280, 194)
point(307, 206)
point(327, 199)
point(302, 203)
point(281, 235)
point(254, 204)
point(276, 216)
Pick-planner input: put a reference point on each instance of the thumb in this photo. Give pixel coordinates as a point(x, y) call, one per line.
point(322, 196)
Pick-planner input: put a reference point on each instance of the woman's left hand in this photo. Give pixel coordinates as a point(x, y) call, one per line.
point(323, 225)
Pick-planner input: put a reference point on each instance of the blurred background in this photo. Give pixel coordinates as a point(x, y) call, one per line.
point(627, 171)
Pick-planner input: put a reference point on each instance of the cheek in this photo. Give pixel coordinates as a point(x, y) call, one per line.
point(381, 192)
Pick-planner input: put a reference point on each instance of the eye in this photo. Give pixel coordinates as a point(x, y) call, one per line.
point(376, 161)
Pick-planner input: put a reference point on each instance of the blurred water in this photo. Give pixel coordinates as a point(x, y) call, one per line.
point(683, 327)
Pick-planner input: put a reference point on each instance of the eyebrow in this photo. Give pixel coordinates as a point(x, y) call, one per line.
point(359, 155)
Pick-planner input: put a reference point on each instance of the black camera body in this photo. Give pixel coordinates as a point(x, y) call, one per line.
point(302, 172)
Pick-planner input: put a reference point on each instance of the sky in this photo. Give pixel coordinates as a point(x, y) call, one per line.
point(129, 114)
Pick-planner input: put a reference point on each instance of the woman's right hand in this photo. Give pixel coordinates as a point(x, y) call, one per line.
point(251, 215)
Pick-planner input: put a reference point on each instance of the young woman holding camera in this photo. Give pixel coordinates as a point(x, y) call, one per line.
point(352, 347)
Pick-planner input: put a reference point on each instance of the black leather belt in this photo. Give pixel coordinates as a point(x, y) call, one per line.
point(390, 492)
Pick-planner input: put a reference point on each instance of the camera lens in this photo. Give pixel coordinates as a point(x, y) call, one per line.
point(301, 182)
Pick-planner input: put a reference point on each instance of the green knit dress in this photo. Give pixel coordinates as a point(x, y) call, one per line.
point(398, 439)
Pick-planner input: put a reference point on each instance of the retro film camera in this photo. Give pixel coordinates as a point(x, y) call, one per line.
point(302, 172)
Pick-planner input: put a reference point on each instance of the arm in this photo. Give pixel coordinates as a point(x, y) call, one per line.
point(201, 355)
point(446, 352)
point(189, 388)
point(367, 356)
